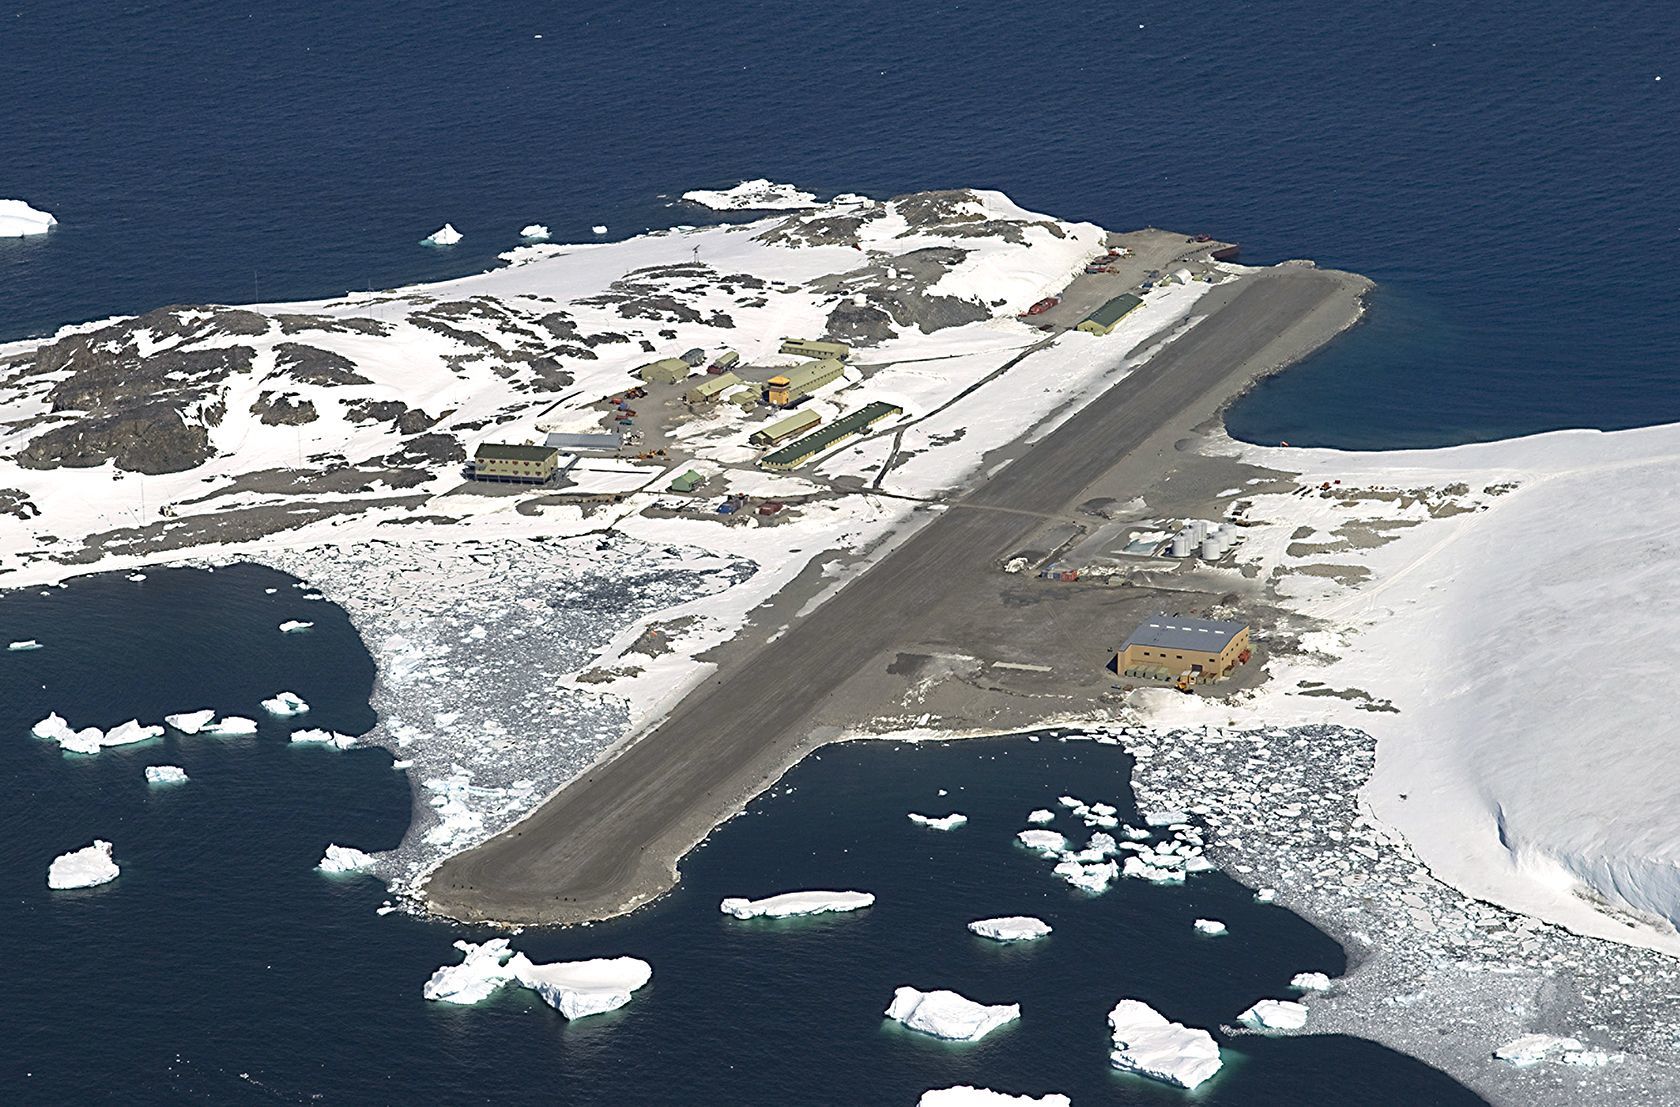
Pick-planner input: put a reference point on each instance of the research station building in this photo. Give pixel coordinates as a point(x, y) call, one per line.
point(498, 461)
point(802, 380)
point(816, 348)
point(1107, 317)
point(667, 370)
point(1167, 647)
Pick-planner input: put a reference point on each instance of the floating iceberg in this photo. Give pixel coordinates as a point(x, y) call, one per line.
point(24, 644)
point(124, 734)
point(190, 722)
point(445, 235)
point(760, 194)
point(1089, 878)
point(1072, 802)
point(1275, 1014)
point(345, 859)
point(1146, 1043)
point(948, 1015)
point(89, 740)
point(1041, 817)
point(292, 626)
point(1010, 928)
point(1213, 928)
point(795, 903)
point(1265, 895)
point(165, 774)
point(54, 728)
point(964, 1095)
point(534, 232)
point(1165, 818)
point(19, 220)
point(481, 972)
point(944, 822)
point(231, 727)
point(324, 738)
point(1531, 1049)
point(577, 989)
point(285, 703)
point(1046, 842)
point(1310, 982)
point(137, 577)
point(83, 868)
point(599, 230)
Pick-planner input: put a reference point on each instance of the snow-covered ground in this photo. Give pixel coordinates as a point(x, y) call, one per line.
point(758, 194)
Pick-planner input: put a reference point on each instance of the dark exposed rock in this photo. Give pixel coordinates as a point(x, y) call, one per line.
point(822, 230)
point(312, 365)
point(285, 409)
point(150, 439)
point(298, 324)
point(859, 324)
point(15, 501)
point(413, 421)
point(375, 411)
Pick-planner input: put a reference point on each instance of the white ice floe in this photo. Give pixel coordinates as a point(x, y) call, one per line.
point(1265, 895)
point(1147, 1043)
point(759, 194)
point(137, 577)
point(1310, 982)
point(190, 722)
point(598, 230)
point(89, 740)
point(345, 859)
point(284, 704)
point(1041, 817)
point(445, 235)
point(1045, 842)
point(83, 868)
point(1165, 818)
point(293, 625)
point(1011, 928)
point(965, 1095)
point(1093, 878)
point(124, 734)
point(316, 737)
point(1072, 803)
point(165, 774)
point(482, 970)
point(945, 1014)
point(19, 220)
point(24, 644)
point(1275, 1014)
point(1212, 928)
point(943, 822)
point(53, 728)
point(795, 903)
point(1531, 1049)
point(534, 232)
point(232, 726)
point(577, 989)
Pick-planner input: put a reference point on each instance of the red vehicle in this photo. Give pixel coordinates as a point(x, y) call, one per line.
point(1043, 305)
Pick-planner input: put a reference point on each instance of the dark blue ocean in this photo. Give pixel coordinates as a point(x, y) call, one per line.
point(1508, 172)
point(220, 968)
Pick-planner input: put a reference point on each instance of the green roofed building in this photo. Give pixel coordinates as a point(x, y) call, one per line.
point(500, 462)
point(667, 370)
point(688, 482)
point(815, 348)
point(710, 388)
point(795, 454)
point(784, 429)
point(1107, 317)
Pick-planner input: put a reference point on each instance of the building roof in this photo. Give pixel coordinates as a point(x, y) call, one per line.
point(1179, 632)
point(712, 386)
point(1113, 311)
point(501, 451)
point(802, 376)
point(601, 441)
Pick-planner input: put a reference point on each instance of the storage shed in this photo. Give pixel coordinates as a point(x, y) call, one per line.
point(708, 389)
point(1107, 317)
point(783, 429)
point(688, 482)
point(816, 348)
point(667, 370)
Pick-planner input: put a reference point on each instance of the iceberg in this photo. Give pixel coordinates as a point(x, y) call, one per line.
point(190, 722)
point(1041, 816)
point(1010, 928)
point(1046, 842)
point(1165, 818)
point(481, 972)
point(1088, 878)
point(1310, 982)
point(292, 626)
point(19, 220)
point(54, 728)
point(534, 232)
point(578, 989)
point(1146, 1043)
point(165, 774)
point(345, 859)
point(89, 741)
point(285, 703)
point(1212, 928)
point(1275, 1014)
point(948, 1015)
point(124, 734)
point(964, 1095)
point(24, 644)
point(759, 194)
point(1531, 1049)
point(599, 230)
point(795, 903)
point(231, 727)
point(324, 738)
point(137, 577)
point(944, 822)
point(83, 868)
point(445, 235)
point(1265, 895)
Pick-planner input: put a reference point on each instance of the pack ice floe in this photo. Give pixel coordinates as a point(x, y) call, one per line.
point(795, 903)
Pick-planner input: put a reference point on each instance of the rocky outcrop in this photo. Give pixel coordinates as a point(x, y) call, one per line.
point(284, 409)
point(312, 365)
point(148, 439)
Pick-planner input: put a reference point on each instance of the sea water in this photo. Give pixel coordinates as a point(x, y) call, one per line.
point(1509, 174)
point(221, 967)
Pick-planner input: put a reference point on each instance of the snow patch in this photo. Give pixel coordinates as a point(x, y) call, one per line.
point(759, 194)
